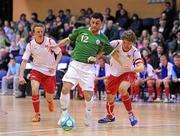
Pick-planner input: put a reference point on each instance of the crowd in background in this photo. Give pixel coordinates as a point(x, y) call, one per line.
point(155, 36)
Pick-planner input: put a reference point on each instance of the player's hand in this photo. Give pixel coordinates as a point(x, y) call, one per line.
point(22, 81)
point(92, 59)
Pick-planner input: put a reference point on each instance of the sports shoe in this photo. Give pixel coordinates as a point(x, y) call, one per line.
point(133, 120)
point(157, 100)
point(106, 120)
point(166, 100)
point(51, 106)
point(150, 99)
point(36, 118)
point(88, 118)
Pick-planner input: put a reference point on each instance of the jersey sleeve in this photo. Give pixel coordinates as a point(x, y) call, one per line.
point(56, 50)
point(107, 47)
point(74, 34)
point(150, 70)
point(115, 43)
point(137, 57)
point(27, 52)
point(169, 68)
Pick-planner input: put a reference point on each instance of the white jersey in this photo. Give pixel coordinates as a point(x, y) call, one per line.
point(43, 56)
point(128, 59)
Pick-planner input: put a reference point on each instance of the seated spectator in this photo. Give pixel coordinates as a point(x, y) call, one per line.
point(102, 73)
point(164, 72)
point(136, 24)
point(111, 31)
point(51, 17)
point(176, 77)
point(145, 78)
point(174, 46)
point(11, 77)
point(156, 36)
point(13, 49)
point(123, 19)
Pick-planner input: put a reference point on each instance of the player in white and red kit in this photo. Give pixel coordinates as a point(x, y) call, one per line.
point(44, 67)
point(122, 75)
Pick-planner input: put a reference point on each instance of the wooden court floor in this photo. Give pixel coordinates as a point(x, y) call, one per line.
point(155, 119)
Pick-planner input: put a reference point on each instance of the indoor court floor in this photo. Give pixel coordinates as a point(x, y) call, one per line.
point(155, 119)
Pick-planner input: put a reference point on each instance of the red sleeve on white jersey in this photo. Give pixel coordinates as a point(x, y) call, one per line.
point(56, 50)
point(137, 57)
point(27, 52)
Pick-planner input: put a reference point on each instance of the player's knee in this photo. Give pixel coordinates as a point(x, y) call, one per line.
point(35, 90)
point(88, 95)
point(65, 90)
point(123, 88)
point(110, 98)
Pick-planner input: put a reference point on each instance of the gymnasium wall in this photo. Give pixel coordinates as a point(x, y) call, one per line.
point(41, 6)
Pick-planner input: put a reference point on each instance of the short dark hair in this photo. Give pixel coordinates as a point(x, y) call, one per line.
point(37, 25)
point(98, 15)
point(129, 35)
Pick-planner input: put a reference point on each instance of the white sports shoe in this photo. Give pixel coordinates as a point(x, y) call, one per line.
point(166, 100)
point(88, 118)
point(157, 100)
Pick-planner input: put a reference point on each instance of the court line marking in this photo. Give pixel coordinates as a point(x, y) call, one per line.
point(90, 128)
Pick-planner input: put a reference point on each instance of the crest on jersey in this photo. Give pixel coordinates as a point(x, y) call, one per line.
point(97, 41)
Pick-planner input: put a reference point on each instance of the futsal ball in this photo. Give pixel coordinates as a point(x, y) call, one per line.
point(67, 122)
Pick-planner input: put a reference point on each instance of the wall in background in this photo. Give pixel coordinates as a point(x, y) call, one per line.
point(140, 7)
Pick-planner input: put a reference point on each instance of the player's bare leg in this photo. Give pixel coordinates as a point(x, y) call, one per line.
point(50, 101)
point(35, 100)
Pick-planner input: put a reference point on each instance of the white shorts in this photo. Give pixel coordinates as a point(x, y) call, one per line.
point(81, 73)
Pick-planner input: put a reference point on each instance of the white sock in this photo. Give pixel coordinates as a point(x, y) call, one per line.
point(89, 105)
point(64, 101)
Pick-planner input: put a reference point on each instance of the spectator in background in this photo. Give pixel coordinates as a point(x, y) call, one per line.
point(34, 18)
point(169, 10)
point(51, 17)
point(176, 76)
point(102, 73)
point(145, 78)
point(111, 31)
point(156, 36)
point(68, 15)
point(174, 46)
point(89, 12)
point(119, 7)
point(108, 16)
point(11, 77)
point(164, 28)
point(164, 73)
point(82, 16)
point(136, 24)
point(62, 16)
point(13, 49)
point(123, 19)
point(4, 43)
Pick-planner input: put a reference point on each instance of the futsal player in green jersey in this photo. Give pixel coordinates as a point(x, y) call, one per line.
point(89, 44)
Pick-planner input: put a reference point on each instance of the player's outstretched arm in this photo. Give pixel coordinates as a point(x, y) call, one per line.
point(139, 68)
point(115, 55)
point(62, 43)
point(21, 73)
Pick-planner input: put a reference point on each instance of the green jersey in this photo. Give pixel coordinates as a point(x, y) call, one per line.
point(87, 44)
